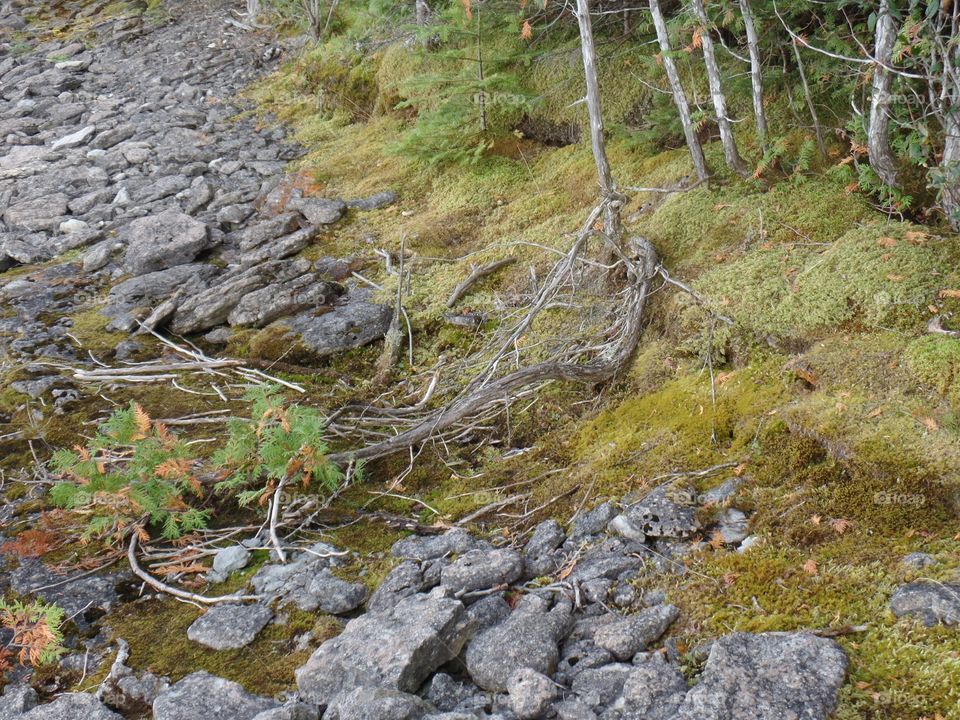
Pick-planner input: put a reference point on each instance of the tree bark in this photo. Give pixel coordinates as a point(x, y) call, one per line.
point(756, 72)
point(423, 12)
point(679, 96)
point(809, 98)
point(950, 165)
point(878, 131)
point(613, 226)
point(730, 152)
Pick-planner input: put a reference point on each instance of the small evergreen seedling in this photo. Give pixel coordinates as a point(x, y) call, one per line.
point(277, 444)
point(133, 468)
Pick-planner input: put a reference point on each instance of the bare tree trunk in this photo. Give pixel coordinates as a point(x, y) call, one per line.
point(756, 72)
point(679, 96)
point(483, 94)
point(950, 164)
point(253, 11)
point(423, 12)
point(809, 98)
point(730, 152)
point(612, 224)
point(878, 132)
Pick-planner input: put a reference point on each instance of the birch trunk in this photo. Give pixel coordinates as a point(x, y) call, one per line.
point(756, 73)
point(423, 12)
point(878, 131)
point(730, 152)
point(679, 96)
point(612, 224)
point(950, 195)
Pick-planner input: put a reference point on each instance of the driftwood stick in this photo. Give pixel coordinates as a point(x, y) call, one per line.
point(478, 274)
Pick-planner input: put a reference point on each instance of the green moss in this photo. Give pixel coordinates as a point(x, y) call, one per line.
point(935, 361)
point(157, 633)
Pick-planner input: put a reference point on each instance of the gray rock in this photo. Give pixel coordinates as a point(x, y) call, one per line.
point(931, 602)
point(665, 512)
point(377, 201)
point(230, 559)
point(723, 492)
point(531, 693)
point(336, 596)
point(404, 580)
point(138, 295)
point(918, 560)
point(547, 537)
point(318, 211)
point(623, 526)
point(771, 676)
point(734, 526)
point(114, 136)
point(448, 694)
point(162, 188)
point(600, 687)
point(262, 307)
point(396, 650)
point(592, 522)
point(481, 570)
point(212, 306)
point(290, 582)
point(254, 236)
point(357, 321)
point(489, 610)
point(625, 637)
point(127, 691)
point(72, 706)
point(365, 703)
point(653, 690)
point(73, 225)
point(280, 248)
point(75, 139)
point(574, 709)
point(290, 711)
point(99, 255)
point(528, 638)
point(16, 700)
point(36, 387)
point(202, 696)
point(454, 542)
point(166, 240)
point(41, 213)
point(227, 627)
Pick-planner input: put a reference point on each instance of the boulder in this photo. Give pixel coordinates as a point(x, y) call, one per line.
point(770, 676)
point(653, 690)
point(162, 241)
point(355, 321)
point(625, 637)
point(454, 542)
point(528, 638)
point(202, 696)
point(227, 627)
point(666, 512)
point(395, 650)
point(531, 693)
point(931, 602)
point(336, 596)
point(71, 706)
point(481, 570)
point(292, 582)
point(364, 703)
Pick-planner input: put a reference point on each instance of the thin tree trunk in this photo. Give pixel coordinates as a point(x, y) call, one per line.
point(756, 72)
point(483, 94)
point(950, 164)
point(878, 132)
point(809, 99)
point(423, 12)
point(612, 224)
point(679, 96)
point(730, 152)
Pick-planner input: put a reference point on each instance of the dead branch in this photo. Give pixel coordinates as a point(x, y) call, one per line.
point(483, 392)
point(478, 274)
point(169, 589)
